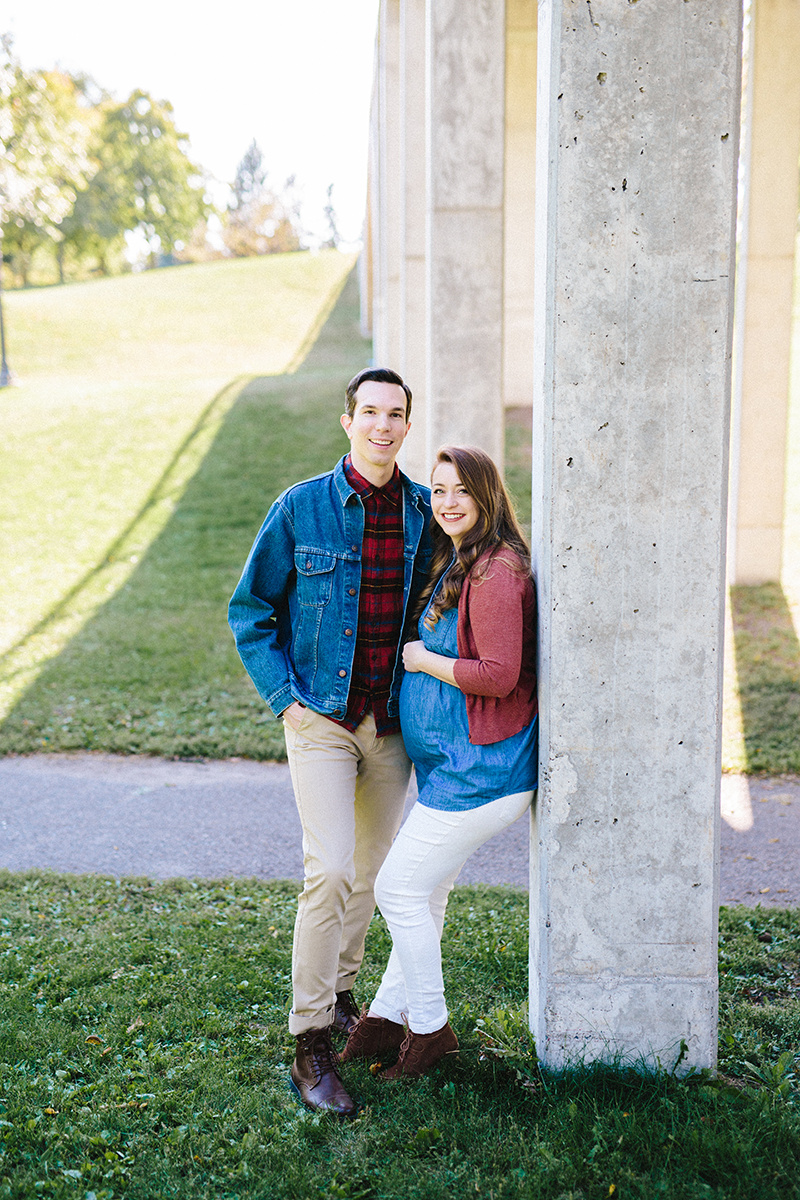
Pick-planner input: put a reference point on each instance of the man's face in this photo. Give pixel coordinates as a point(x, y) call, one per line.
point(378, 426)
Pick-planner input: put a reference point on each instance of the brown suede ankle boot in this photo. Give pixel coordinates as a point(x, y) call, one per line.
point(372, 1037)
point(315, 1075)
point(420, 1051)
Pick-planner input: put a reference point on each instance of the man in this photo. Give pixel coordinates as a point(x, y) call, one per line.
point(317, 616)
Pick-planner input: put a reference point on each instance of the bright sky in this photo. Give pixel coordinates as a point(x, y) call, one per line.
point(296, 75)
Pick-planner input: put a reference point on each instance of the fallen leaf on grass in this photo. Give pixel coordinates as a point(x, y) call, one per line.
point(94, 1040)
point(136, 1023)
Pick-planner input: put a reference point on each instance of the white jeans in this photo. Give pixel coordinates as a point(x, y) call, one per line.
point(411, 891)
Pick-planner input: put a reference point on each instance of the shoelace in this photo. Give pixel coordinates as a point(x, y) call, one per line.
point(408, 1053)
point(321, 1056)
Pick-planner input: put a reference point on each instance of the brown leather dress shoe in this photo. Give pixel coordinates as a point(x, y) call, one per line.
point(315, 1075)
point(345, 1012)
point(372, 1037)
point(420, 1051)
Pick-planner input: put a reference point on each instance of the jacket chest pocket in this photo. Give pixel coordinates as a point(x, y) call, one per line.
point(314, 577)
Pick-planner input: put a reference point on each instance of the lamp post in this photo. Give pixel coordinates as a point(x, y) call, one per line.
point(6, 375)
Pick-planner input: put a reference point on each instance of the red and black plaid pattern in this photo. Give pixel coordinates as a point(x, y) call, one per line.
point(380, 604)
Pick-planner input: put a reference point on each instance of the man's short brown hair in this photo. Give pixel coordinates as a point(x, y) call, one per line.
point(374, 375)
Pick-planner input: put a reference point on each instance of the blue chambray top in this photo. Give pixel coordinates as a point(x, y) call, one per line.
point(453, 774)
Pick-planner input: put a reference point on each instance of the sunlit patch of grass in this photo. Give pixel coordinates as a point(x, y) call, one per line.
point(766, 653)
point(100, 416)
point(107, 470)
point(144, 1052)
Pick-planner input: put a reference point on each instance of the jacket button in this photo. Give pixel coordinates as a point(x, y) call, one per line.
point(308, 565)
point(351, 591)
point(354, 549)
point(342, 674)
point(348, 633)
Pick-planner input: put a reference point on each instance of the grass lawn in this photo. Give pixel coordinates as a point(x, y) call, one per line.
point(144, 1054)
point(138, 483)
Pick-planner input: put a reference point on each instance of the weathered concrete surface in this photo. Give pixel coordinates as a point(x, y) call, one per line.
point(637, 142)
point(764, 293)
point(466, 67)
point(519, 202)
point(413, 278)
point(385, 169)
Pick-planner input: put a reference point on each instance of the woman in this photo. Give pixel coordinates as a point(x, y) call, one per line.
point(468, 715)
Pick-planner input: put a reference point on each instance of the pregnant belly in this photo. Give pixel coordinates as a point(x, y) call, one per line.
point(427, 714)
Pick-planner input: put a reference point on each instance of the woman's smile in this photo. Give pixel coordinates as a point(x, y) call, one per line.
point(453, 507)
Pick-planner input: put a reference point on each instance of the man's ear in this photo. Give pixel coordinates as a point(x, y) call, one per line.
point(345, 420)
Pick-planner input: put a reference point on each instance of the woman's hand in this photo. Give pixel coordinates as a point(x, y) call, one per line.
point(414, 656)
point(417, 658)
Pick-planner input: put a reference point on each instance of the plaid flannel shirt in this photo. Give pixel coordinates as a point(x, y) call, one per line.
point(380, 602)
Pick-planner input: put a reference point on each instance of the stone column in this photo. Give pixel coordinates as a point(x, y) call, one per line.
point(386, 234)
point(637, 145)
point(376, 292)
point(764, 293)
point(365, 258)
point(520, 179)
point(466, 61)
point(412, 231)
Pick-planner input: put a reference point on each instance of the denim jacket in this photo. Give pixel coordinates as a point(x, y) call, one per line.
point(300, 587)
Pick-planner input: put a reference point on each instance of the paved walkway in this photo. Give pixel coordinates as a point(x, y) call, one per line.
point(147, 816)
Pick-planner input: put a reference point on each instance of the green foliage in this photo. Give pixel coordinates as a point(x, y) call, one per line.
point(144, 180)
point(760, 1002)
point(45, 128)
point(507, 1036)
point(77, 173)
point(260, 220)
point(144, 1052)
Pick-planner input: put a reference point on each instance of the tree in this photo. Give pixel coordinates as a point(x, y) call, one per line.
point(144, 182)
point(251, 178)
point(334, 237)
point(45, 128)
point(260, 221)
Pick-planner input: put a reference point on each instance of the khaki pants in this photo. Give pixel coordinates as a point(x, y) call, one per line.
point(350, 790)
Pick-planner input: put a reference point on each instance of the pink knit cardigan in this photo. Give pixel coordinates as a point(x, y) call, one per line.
point(496, 666)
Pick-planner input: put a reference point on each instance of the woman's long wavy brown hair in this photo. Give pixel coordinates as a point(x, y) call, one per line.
point(496, 529)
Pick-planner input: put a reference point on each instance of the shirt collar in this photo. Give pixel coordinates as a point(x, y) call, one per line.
point(390, 491)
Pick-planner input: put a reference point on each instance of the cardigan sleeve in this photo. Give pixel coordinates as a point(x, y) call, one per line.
point(495, 617)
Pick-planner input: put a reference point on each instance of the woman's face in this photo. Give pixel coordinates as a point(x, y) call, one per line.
point(453, 507)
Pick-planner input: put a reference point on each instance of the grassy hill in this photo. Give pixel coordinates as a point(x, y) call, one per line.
point(140, 453)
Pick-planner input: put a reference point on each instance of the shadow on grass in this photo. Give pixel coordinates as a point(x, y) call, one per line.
point(767, 654)
point(154, 670)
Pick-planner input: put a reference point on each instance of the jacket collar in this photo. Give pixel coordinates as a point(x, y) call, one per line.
point(414, 492)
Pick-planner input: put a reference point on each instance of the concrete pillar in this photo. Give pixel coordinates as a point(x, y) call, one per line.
point(365, 261)
point(465, 99)
point(637, 144)
point(520, 179)
point(386, 211)
point(376, 224)
point(764, 292)
point(412, 231)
